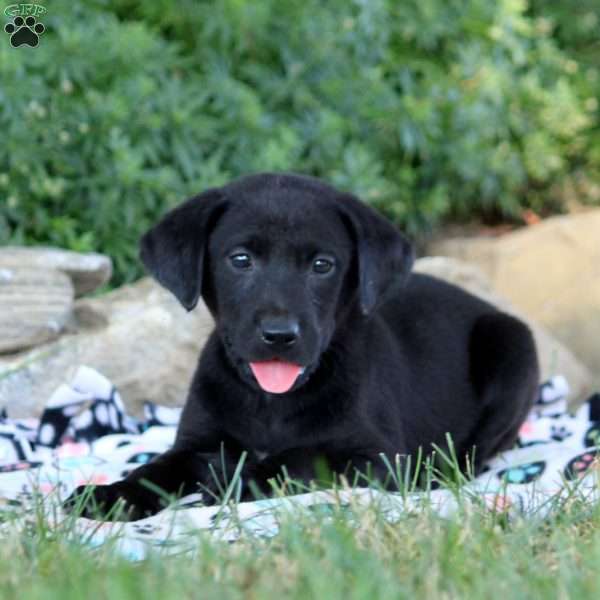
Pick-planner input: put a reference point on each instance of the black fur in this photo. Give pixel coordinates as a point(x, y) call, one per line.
point(392, 362)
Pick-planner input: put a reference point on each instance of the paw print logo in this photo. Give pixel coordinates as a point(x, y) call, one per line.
point(579, 466)
point(525, 473)
point(24, 31)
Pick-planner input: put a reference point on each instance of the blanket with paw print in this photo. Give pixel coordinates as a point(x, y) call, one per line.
point(85, 436)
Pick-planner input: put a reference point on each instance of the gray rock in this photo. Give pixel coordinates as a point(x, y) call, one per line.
point(138, 336)
point(35, 305)
point(87, 271)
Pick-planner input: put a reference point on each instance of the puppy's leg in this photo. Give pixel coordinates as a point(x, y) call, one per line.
point(505, 375)
point(318, 465)
point(142, 492)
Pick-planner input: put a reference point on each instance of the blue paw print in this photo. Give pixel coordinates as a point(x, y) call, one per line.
point(142, 457)
point(525, 473)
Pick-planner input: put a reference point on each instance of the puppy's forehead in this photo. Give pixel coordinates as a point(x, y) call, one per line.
point(298, 218)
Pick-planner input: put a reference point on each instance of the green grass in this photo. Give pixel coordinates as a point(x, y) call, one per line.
point(326, 554)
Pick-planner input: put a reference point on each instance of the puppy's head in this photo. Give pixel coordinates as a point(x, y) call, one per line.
point(278, 259)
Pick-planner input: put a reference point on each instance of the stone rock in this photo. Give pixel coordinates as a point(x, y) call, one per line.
point(35, 305)
point(138, 336)
point(551, 272)
point(87, 271)
point(554, 357)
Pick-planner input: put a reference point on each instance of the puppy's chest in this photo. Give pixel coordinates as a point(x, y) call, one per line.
point(265, 435)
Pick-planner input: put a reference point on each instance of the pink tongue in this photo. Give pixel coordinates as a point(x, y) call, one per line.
point(275, 376)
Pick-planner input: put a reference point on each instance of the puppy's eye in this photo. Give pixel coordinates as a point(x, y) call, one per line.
point(241, 260)
point(322, 265)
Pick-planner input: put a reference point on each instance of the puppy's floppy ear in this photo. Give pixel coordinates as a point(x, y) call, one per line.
point(173, 251)
point(385, 257)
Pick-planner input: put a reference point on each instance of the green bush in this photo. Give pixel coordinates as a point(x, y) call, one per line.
point(425, 108)
point(576, 29)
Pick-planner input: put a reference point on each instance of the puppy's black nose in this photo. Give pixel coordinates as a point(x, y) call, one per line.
point(279, 331)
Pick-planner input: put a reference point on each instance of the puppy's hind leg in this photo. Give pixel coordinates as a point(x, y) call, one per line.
point(505, 375)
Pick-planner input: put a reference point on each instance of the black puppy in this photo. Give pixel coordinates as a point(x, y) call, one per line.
point(325, 350)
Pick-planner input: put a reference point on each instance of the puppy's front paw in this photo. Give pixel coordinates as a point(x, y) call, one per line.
point(119, 501)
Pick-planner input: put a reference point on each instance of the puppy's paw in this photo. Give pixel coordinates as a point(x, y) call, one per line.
point(119, 501)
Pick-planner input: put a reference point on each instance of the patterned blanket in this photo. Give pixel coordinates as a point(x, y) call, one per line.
point(85, 436)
